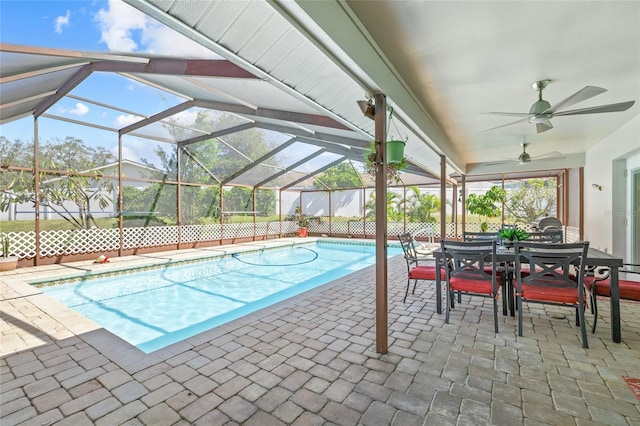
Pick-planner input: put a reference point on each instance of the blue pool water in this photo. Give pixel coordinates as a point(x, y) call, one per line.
point(156, 308)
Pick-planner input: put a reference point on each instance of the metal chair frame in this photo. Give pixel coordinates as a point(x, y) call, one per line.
point(559, 266)
point(413, 259)
point(604, 275)
point(471, 261)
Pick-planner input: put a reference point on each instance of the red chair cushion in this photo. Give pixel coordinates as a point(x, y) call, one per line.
point(629, 290)
point(567, 295)
point(426, 273)
point(471, 285)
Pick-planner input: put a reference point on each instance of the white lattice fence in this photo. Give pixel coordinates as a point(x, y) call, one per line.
point(69, 242)
point(21, 244)
point(76, 241)
point(151, 236)
point(267, 229)
point(195, 233)
point(289, 227)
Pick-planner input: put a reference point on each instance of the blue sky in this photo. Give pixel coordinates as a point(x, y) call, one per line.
point(94, 26)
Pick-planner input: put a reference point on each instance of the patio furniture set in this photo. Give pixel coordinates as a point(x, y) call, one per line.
point(541, 270)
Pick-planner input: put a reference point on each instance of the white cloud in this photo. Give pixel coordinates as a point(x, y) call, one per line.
point(125, 120)
point(62, 21)
point(126, 29)
point(79, 109)
point(117, 25)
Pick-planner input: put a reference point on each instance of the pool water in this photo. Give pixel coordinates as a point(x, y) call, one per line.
point(156, 308)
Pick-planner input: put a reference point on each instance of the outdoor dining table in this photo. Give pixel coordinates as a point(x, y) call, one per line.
point(595, 258)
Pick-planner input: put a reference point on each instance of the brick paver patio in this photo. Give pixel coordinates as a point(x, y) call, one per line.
point(311, 360)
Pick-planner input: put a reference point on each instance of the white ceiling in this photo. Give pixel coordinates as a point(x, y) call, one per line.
point(459, 59)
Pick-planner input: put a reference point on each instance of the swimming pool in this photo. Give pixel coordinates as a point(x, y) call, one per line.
point(155, 308)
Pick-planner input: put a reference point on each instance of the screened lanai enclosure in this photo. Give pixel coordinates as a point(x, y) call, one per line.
point(122, 154)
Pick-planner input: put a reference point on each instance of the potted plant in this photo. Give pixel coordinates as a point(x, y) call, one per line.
point(303, 222)
point(7, 262)
point(511, 234)
point(395, 151)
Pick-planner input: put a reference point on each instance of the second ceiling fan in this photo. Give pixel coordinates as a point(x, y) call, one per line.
point(541, 112)
point(525, 158)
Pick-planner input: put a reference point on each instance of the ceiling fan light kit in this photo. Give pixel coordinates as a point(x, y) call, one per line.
point(541, 112)
point(524, 158)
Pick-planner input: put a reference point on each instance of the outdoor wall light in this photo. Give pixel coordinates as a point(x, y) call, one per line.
point(596, 186)
point(367, 108)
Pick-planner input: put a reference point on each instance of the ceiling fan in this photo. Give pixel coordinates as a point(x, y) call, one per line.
point(525, 157)
point(541, 111)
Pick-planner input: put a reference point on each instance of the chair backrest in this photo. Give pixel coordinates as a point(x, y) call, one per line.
point(554, 265)
point(548, 236)
point(549, 221)
point(409, 249)
point(475, 236)
point(474, 260)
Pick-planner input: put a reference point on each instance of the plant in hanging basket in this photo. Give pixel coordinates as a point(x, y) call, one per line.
point(371, 162)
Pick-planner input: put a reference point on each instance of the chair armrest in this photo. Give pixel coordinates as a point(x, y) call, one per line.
point(420, 259)
point(604, 272)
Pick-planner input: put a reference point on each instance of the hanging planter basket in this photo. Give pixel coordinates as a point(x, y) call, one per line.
point(395, 152)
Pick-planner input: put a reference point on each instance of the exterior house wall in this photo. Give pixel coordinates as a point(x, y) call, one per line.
point(25, 211)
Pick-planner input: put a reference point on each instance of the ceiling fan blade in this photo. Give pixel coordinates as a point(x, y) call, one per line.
point(544, 126)
point(621, 106)
point(548, 154)
point(508, 124)
point(581, 95)
point(496, 163)
point(508, 114)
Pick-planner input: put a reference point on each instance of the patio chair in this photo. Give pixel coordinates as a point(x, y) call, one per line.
point(472, 270)
point(601, 286)
point(501, 269)
point(418, 267)
point(555, 276)
point(475, 236)
point(549, 235)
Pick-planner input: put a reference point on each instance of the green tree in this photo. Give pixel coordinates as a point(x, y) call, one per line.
point(532, 199)
point(394, 203)
point(78, 189)
point(17, 153)
point(421, 206)
point(211, 161)
point(341, 175)
point(73, 154)
point(486, 205)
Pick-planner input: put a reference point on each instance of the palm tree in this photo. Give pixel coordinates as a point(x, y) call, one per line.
point(420, 206)
point(394, 202)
